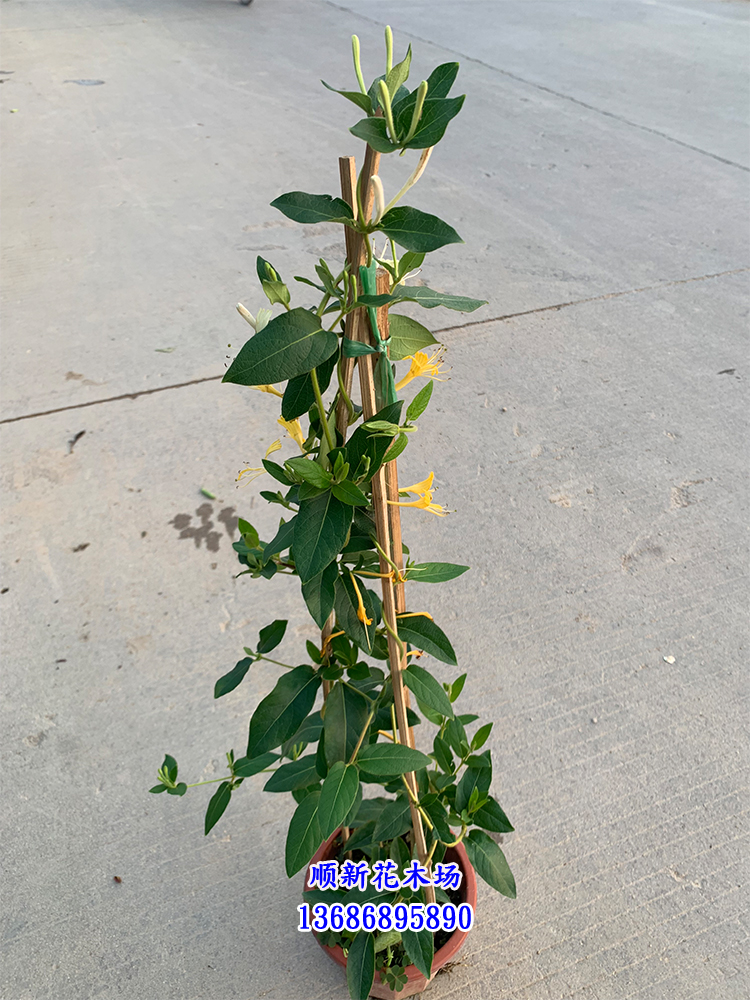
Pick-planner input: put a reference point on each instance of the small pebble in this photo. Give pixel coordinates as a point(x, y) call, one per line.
point(668, 659)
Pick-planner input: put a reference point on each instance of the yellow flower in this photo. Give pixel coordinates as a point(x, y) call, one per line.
point(423, 491)
point(268, 388)
point(422, 487)
point(361, 612)
point(294, 430)
point(423, 367)
point(274, 446)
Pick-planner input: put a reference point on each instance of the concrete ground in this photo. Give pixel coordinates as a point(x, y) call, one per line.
point(590, 440)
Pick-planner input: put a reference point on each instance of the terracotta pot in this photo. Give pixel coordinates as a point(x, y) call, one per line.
point(416, 982)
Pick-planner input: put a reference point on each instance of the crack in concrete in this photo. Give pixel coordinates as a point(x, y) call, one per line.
point(549, 90)
point(443, 329)
point(594, 298)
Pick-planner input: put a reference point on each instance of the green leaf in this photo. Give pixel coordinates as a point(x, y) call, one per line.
point(345, 717)
point(271, 635)
point(409, 262)
point(439, 816)
point(171, 766)
point(279, 714)
point(420, 947)
point(370, 810)
point(308, 732)
point(178, 789)
point(346, 605)
point(297, 774)
point(318, 593)
point(374, 131)
point(480, 736)
point(309, 470)
point(457, 687)
point(439, 83)
point(361, 837)
point(427, 690)
point(424, 634)
point(299, 394)
point(407, 337)
point(435, 572)
point(266, 271)
point(235, 676)
point(217, 805)
point(363, 445)
point(249, 534)
point(396, 448)
point(398, 75)
point(489, 862)
point(399, 852)
point(356, 349)
point(436, 116)
point(455, 735)
point(443, 755)
point(428, 298)
point(275, 470)
point(347, 492)
point(246, 768)
point(322, 525)
point(361, 100)
point(360, 966)
point(282, 540)
point(440, 80)
point(391, 759)
point(303, 838)
point(276, 292)
point(292, 344)
point(491, 817)
point(474, 777)
point(415, 230)
point(355, 805)
point(420, 402)
point(158, 788)
point(338, 795)
point(394, 820)
point(312, 208)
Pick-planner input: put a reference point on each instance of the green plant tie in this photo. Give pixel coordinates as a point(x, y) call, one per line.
point(387, 387)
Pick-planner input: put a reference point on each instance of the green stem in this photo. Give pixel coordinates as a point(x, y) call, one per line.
point(337, 320)
point(344, 394)
point(277, 662)
point(321, 409)
point(211, 782)
point(385, 556)
point(395, 636)
point(361, 737)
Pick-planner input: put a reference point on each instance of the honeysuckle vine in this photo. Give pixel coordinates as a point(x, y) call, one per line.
point(338, 723)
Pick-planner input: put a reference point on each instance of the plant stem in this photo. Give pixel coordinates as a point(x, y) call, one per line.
point(362, 736)
point(211, 782)
point(277, 662)
point(321, 409)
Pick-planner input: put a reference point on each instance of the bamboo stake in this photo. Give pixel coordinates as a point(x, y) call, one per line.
point(354, 324)
point(397, 659)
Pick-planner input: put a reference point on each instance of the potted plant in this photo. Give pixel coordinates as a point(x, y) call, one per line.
point(390, 886)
